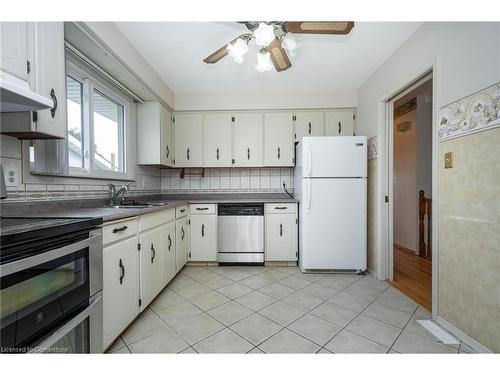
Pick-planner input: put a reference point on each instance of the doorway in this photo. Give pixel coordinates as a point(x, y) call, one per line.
point(411, 135)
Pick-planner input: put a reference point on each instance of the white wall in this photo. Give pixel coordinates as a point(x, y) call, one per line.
point(109, 34)
point(405, 183)
point(266, 100)
point(467, 58)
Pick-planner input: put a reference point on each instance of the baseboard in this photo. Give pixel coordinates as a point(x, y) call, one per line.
point(478, 347)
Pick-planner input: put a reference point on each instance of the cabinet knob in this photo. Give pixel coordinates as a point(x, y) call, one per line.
point(281, 230)
point(203, 230)
point(248, 153)
point(187, 153)
point(279, 153)
point(309, 127)
point(217, 153)
point(168, 152)
point(340, 127)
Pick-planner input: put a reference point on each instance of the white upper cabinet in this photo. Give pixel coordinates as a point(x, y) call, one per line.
point(13, 52)
point(248, 140)
point(188, 140)
point(217, 140)
point(278, 139)
point(50, 76)
point(339, 122)
point(309, 123)
point(154, 134)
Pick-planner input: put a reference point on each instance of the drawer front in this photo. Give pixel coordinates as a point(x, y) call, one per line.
point(156, 218)
point(197, 209)
point(181, 211)
point(119, 230)
point(281, 208)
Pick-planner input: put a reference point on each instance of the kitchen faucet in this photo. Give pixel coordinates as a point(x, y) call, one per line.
point(114, 194)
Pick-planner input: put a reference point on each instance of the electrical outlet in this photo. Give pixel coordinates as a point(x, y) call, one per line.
point(12, 171)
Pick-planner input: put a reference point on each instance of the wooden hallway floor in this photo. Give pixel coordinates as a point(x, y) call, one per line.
point(413, 276)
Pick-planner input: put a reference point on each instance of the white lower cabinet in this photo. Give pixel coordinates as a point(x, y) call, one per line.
point(150, 259)
point(281, 235)
point(203, 238)
point(168, 266)
point(120, 287)
point(181, 242)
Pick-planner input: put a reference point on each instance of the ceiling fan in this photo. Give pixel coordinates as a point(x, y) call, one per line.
point(275, 40)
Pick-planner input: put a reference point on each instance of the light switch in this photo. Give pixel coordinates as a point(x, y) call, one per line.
point(448, 160)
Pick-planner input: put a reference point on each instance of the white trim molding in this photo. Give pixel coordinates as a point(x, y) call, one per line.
point(478, 347)
point(474, 113)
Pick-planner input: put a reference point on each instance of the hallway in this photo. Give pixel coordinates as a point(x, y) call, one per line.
point(413, 276)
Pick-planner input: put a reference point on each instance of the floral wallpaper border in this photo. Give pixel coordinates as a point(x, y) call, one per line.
point(372, 148)
point(477, 112)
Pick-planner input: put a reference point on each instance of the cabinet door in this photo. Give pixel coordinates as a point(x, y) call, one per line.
point(217, 140)
point(120, 288)
point(13, 49)
point(151, 249)
point(188, 140)
point(309, 123)
point(181, 242)
point(281, 237)
point(248, 140)
point(203, 240)
point(50, 76)
point(166, 152)
point(168, 266)
point(339, 123)
point(278, 139)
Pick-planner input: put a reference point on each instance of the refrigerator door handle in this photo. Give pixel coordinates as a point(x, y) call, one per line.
point(308, 200)
point(308, 161)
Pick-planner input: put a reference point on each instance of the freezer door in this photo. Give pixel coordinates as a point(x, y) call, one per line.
point(332, 224)
point(334, 156)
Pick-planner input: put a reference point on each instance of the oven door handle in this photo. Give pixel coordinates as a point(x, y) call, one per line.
point(22, 264)
point(45, 345)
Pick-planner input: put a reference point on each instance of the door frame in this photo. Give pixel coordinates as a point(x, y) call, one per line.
point(385, 182)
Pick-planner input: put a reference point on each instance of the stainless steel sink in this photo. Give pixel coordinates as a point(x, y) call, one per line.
point(132, 206)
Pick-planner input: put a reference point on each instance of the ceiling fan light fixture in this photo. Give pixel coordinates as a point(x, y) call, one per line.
point(237, 50)
point(290, 44)
point(264, 63)
point(264, 34)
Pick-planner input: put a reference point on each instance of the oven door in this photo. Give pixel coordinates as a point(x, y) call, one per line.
point(40, 294)
point(82, 334)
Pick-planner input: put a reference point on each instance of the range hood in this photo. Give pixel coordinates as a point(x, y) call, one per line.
point(17, 96)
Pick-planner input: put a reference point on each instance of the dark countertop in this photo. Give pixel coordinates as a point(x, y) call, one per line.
point(164, 201)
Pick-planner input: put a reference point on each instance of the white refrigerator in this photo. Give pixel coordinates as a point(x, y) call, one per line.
point(330, 181)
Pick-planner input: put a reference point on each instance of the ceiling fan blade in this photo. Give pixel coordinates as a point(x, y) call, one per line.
point(278, 56)
point(219, 54)
point(320, 27)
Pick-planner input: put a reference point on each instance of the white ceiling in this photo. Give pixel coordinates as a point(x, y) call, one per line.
point(323, 63)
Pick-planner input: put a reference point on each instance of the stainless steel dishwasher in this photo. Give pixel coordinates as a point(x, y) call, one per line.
point(241, 233)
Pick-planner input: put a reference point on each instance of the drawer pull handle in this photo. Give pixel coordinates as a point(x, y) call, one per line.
point(280, 208)
point(183, 233)
point(153, 253)
point(169, 242)
point(120, 229)
point(122, 271)
point(201, 208)
point(203, 230)
point(281, 230)
point(183, 210)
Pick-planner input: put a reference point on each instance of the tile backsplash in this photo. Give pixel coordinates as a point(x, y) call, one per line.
point(147, 179)
point(229, 180)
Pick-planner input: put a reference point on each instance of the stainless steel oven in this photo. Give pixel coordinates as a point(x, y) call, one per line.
point(51, 290)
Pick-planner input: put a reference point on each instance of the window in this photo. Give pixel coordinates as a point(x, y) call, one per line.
point(97, 126)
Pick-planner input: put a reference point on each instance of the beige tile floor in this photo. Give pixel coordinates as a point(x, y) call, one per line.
point(279, 310)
